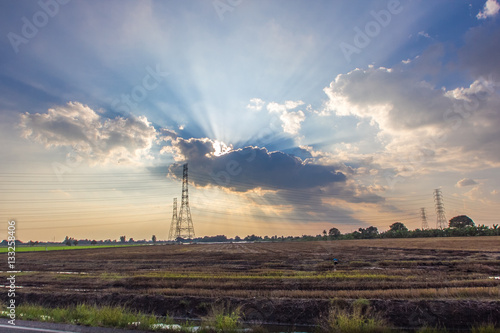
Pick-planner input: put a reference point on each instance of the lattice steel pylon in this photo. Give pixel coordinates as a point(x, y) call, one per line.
point(184, 228)
point(173, 224)
point(440, 217)
point(425, 225)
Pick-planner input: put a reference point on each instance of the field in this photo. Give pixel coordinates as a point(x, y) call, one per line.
point(38, 248)
point(411, 282)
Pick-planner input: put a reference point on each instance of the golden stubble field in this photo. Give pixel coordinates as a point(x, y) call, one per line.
point(183, 280)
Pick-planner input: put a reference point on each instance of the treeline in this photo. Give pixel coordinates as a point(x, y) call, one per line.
point(361, 233)
point(421, 233)
point(459, 226)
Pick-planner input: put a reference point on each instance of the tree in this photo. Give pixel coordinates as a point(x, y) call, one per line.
point(94, 242)
point(370, 232)
point(461, 221)
point(334, 233)
point(75, 242)
point(68, 241)
point(252, 238)
point(398, 226)
point(356, 234)
point(153, 239)
point(123, 239)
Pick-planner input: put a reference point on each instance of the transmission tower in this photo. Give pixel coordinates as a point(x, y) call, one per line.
point(441, 219)
point(425, 225)
point(173, 224)
point(184, 228)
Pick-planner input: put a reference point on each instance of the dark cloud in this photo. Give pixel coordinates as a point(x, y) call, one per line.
point(299, 152)
point(314, 205)
point(346, 192)
point(249, 168)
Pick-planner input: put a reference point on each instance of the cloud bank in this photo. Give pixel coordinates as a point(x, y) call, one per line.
point(98, 140)
point(428, 125)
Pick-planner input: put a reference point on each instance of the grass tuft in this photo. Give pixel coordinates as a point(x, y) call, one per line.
point(358, 318)
point(485, 328)
point(223, 319)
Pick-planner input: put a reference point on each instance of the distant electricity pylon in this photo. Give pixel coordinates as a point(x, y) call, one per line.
point(173, 224)
point(183, 224)
point(441, 218)
point(425, 225)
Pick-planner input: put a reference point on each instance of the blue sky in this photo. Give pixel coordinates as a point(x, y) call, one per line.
point(293, 116)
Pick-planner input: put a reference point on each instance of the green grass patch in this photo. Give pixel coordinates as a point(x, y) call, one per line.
point(38, 248)
point(358, 263)
point(105, 316)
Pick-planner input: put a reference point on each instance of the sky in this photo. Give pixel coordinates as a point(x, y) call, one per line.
point(293, 116)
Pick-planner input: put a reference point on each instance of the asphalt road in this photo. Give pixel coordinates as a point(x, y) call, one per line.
point(23, 326)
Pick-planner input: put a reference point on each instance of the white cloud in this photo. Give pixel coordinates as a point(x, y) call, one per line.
point(255, 104)
point(99, 141)
point(291, 120)
point(424, 34)
point(466, 182)
point(391, 98)
point(420, 127)
point(275, 107)
point(290, 105)
point(491, 8)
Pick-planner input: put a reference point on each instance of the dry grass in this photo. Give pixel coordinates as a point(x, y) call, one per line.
point(381, 268)
point(484, 293)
